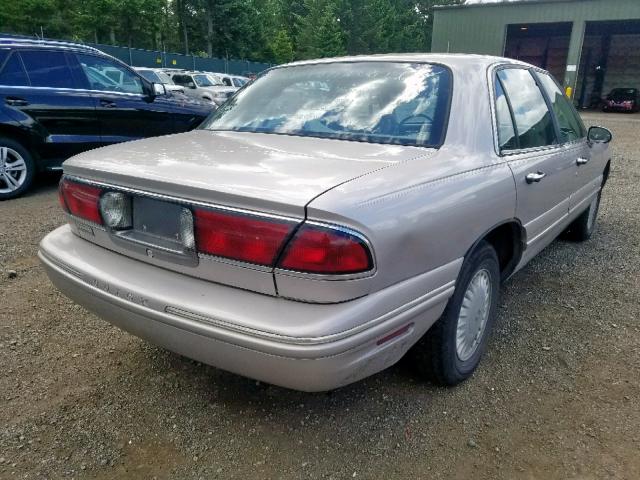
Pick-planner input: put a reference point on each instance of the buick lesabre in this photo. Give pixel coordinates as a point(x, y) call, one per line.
point(333, 216)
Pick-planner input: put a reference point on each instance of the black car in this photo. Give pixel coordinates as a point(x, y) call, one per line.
point(58, 99)
point(622, 100)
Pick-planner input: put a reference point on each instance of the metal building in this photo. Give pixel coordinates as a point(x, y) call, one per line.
point(591, 46)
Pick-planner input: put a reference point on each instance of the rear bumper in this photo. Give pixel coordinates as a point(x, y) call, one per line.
point(304, 348)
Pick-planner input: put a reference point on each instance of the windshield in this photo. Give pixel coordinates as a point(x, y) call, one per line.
point(164, 78)
point(150, 75)
point(378, 102)
point(203, 81)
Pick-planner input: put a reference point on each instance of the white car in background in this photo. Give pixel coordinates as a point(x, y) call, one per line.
point(236, 81)
point(156, 75)
point(203, 85)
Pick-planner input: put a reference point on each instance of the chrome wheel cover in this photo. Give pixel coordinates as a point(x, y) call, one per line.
point(13, 170)
point(474, 314)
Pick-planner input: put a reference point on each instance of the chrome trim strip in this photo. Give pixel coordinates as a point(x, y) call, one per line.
point(183, 201)
point(415, 306)
point(61, 265)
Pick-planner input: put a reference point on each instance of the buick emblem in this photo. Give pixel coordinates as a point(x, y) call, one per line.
point(149, 253)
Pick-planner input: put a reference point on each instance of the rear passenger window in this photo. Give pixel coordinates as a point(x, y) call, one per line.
point(47, 68)
point(533, 121)
point(571, 127)
point(12, 73)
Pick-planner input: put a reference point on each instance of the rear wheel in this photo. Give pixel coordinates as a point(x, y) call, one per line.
point(582, 227)
point(451, 350)
point(17, 169)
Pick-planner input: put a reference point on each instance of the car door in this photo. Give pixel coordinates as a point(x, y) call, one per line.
point(46, 96)
point(124, 106)
point(588, 159)
point(543, 170)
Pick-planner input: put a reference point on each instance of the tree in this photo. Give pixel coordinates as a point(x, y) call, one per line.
point(319, 31)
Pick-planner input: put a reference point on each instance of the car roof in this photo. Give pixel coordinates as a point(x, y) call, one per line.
point(53, 44)
point(452, 59)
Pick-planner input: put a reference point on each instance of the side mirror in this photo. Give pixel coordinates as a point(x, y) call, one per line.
point(159, 89)
point(191, 85)
point(599, 135)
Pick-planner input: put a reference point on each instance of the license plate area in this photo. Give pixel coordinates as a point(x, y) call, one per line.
point(161, 230)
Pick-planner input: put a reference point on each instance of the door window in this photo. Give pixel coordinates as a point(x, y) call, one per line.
point(103, 74)
point(506, 133)
point(533, 121)
point(47, 68)
point(570, 124)
point(183, 80)
point(13, 73)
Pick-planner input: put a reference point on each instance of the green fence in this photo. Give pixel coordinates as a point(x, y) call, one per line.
point(150, 58)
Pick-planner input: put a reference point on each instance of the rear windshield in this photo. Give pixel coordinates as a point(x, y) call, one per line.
point(377, 102)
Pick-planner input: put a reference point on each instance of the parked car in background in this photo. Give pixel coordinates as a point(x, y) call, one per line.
point(235, 81)
point(622, 100)
point(310, 237)
point(203, 86)
point(58, 99)
point(157, 75)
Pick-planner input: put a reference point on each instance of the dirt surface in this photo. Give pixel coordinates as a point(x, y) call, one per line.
point(557, 396)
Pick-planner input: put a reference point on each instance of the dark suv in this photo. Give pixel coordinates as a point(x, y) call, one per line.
point(58, 99)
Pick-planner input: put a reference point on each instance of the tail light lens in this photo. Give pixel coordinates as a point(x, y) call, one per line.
point(240, 237)
point(81, 200)
point(316, 249)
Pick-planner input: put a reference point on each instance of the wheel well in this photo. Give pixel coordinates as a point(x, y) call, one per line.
point(17, 135)
point(508, 241)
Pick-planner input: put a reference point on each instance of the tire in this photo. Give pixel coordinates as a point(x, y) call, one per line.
point(582, 227)
point(438, 355)
point(14, 181)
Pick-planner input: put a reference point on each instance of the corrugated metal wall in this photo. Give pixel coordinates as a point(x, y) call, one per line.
point(482, 28)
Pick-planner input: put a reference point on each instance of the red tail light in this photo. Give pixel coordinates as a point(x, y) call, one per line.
point(240, 237)
point(317, 249)
point(81, 200)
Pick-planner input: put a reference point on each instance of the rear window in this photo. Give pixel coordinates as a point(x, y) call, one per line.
point(12, 73)
point(377, 102)
point(47, 68)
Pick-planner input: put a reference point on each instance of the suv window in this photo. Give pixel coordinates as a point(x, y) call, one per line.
point(47, 68)
point(183, 80)
point(570, 124)
point(4, 53)
point(533, 121)
point(103, 74)
point(13, 73)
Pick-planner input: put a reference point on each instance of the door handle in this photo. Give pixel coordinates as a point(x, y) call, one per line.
point(535, 177)
point(582, 160)
point(107, 103)
point(16, 102)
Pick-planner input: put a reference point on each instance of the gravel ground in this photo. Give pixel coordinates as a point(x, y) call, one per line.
point(557, 396)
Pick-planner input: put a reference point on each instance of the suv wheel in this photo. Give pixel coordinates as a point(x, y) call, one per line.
point(451, 350)
point(17, 169)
